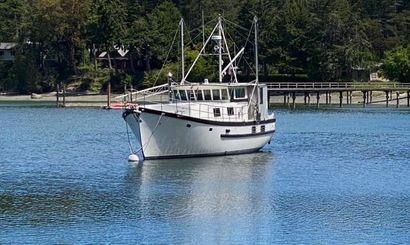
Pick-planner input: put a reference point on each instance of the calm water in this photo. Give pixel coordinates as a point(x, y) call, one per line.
point(329, 176)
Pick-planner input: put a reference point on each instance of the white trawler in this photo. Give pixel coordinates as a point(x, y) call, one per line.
point(203, 118)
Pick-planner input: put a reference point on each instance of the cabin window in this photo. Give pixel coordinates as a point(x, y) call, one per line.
point(261, 96)
point(216, 94)
point(207, 94)
point(230, 111)
point(240, 93)
point(182, 94)
point(176, 95)
point(253, 129)
point(263, 128)
point(217, 112)
point(224, 94)
point(198, 94)
point(191, 95)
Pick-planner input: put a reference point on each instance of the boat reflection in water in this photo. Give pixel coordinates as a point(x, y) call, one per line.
point(204, 193)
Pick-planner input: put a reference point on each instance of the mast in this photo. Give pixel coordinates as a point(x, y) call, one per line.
point(256, 50)
point(220, 47)
point(181, 23)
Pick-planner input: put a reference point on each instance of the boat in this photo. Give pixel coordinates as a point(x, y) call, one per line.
point(203, 118)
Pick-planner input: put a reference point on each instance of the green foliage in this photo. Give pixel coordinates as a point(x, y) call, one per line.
point(396, 65)
point(59, 40)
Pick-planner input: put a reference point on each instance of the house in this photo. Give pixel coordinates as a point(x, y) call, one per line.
point(7, 51)
point(119, 58)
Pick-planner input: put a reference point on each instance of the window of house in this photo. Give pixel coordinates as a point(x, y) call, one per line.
point(182, 94)
point(224, 94)
point(263, 128)
point(217, 112)
point(240, 93)
point(216, 94)
point(261, 96)
point(230, 111)
point(207, 94)
point(253, 129)
point(198, 94)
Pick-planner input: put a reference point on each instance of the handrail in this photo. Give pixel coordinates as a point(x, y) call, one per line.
point(186, 109)
point(147, 92)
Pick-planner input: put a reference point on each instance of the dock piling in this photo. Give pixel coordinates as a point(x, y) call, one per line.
point(364, 98)
point(294, 100)
point(397, 99)
point(408, 98)
point(318, 99)
point(341, 99)
point(64, 90)
point(58, 95)
point(387, 98)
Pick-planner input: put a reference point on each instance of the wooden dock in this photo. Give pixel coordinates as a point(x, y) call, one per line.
point(290, 91)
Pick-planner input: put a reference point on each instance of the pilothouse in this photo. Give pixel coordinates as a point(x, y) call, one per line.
point(206, 118)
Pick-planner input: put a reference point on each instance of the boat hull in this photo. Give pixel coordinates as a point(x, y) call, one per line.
point(163, 135)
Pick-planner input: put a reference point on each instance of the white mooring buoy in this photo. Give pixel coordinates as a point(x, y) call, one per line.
point(133, 158)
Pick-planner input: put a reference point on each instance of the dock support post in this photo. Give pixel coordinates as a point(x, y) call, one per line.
point(397, 99)
point(294, 100)
point(308, 97)
point(327, 97)
point(318, 99)
point(408, 98)
point(284, 99)
point(347, 97)
point(340, 99)
point(351, 96)
point(371, 97)
point(387, 98)
point(109, 95)
point(304, 98)
point(364, 98)
point(64, 87)
point(391, 94)
point(58, 95)
point(330, 98)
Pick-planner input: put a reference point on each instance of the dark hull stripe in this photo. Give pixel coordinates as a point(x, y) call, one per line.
point(204, 121)
point(246, 135)
point(204, 155)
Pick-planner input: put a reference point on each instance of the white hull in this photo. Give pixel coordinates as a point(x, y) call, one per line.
point(167, 136)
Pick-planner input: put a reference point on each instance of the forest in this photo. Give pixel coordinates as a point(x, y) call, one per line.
point(60, 41)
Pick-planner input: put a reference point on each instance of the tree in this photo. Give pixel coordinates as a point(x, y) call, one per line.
point(396, 64)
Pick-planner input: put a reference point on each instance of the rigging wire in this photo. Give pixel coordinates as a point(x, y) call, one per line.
point(166, 59)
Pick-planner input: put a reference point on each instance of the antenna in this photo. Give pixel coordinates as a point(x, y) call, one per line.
point(181, 23)
point(203, 28)
point(256, 50)
point(220, 47)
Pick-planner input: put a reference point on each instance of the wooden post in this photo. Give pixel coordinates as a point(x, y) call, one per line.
point(327, 98)
point(408, 98)
point(387, 98)
point(294, 100)
point(109, 95)
point(288, 99)
point(397, 99)
point(391, 94)
point(364, 98)
point(371, 97)
point(330, 98)
point(317, 99)
point(64, 87)
point(351, 96)
point(58, 95)
point(304, 98)
point(308, 99)
point(284, 99)
point(347, 97)
point(341, 98)
point(132, 90)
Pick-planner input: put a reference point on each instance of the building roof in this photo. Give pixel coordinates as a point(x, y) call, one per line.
point(121, 51)
point(7, 46)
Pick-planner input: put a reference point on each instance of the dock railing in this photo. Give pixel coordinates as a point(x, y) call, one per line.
point(337, 86)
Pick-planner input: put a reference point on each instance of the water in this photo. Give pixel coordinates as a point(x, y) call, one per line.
point(329, 176)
